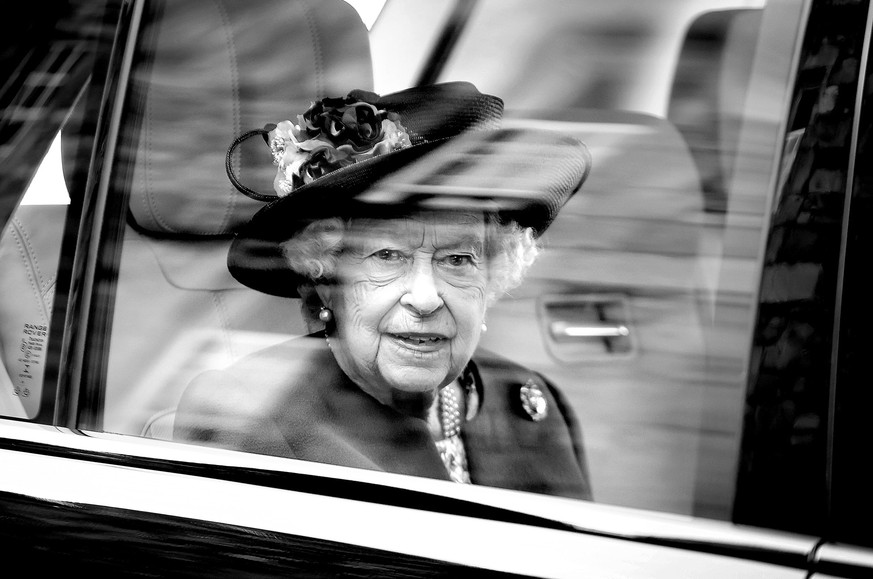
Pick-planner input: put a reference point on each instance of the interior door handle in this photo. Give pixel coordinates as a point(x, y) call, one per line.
point(581, 327)
point(563, 330)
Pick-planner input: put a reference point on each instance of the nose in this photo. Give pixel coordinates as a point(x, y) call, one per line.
point(422, 294)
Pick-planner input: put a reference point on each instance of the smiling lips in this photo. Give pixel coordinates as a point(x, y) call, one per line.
point(419, 340)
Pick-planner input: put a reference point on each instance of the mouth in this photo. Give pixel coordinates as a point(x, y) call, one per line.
point(419, 340)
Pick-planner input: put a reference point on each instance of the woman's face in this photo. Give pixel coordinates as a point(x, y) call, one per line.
point(409, 301)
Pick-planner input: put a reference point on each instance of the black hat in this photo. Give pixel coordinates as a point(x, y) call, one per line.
point(433, 147)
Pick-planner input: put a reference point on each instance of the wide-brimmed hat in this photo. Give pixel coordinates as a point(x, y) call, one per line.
point(437, 147)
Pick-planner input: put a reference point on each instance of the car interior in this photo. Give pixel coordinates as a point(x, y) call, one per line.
point(182, 206)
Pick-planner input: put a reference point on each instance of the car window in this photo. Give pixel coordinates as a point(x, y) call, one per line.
point(181, 209)
point(644, 352)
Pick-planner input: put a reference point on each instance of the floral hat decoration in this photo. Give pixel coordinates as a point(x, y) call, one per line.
point(340, 150)
point(334, 133)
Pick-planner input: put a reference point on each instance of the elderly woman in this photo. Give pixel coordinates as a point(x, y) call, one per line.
point(397, 220)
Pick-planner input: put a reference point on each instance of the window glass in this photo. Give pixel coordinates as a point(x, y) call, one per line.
point(623, 352)
point(634, 264)
point(176, 310)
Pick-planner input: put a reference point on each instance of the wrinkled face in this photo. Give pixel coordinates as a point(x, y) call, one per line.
point(409, 301)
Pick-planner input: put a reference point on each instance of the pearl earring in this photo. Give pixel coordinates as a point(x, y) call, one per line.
point(325, 315)
point(484, 327)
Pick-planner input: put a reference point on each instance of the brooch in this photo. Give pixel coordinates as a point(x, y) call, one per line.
point(533, 401)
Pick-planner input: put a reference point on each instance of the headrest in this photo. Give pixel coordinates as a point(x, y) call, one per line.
point(206, 71)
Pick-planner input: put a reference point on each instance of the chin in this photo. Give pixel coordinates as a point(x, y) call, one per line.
point(419, 383)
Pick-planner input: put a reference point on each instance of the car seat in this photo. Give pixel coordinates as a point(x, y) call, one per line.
point(29, 251)
point(207, 71)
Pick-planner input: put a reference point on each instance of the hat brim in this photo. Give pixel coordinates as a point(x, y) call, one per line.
point(522, 176)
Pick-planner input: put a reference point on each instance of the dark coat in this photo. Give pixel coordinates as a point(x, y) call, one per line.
point(293, 400)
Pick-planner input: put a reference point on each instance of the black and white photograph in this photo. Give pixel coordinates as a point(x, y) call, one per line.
point(436, 288)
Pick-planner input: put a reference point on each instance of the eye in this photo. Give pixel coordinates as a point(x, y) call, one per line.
point(458, 260)
point(388, 255)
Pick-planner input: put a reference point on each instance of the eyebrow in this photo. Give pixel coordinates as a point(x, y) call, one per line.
point(467, 240)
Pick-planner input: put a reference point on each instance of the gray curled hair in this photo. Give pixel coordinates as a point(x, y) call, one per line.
point(510, 250)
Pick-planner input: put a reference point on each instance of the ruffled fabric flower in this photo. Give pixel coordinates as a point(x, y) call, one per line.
point(333, 133)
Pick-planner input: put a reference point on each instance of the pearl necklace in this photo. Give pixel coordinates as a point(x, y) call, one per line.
point(451, 447)
point(450, 412)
